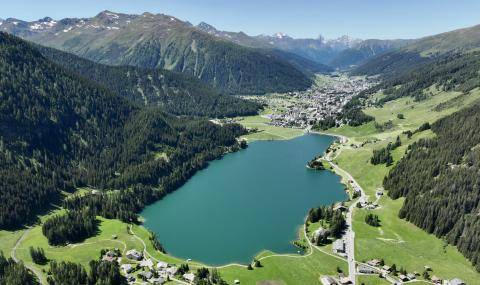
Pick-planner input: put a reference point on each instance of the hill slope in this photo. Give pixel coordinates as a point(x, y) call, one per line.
point(176, 93)
point(422, 51)
point(59, 131)
point(161, 41)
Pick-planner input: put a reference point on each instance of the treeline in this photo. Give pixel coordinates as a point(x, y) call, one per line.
point(12, 273)
point(205, 276)
point(59, 131)
point(384, 155)
point(372, 220)
point(334, 218)
point(439, 178)
point(450, 72)
point(176, 93)
point(38, 255)
point(100, 273)
point(74, 226)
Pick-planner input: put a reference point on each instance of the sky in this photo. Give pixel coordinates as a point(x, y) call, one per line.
point(382, 19)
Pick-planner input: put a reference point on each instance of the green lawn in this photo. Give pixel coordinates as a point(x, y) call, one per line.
point(287, 270)
point(398, 241)
point(265, 131)
point(8, 240)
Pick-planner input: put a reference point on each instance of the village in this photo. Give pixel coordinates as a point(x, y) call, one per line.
point(139, 269)
point(325, 99)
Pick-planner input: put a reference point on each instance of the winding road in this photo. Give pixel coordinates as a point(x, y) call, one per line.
point(350, 234)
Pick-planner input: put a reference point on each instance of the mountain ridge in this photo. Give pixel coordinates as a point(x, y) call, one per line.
point(162, 41)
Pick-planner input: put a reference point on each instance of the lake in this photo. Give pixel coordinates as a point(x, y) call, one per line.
point(246, 202)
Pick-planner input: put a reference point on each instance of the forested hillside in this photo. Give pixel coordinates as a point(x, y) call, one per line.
point(162, 41)
point(59, 131)
point(457, 72)
point(422, 51)
point(176, 93)
point(440, 179)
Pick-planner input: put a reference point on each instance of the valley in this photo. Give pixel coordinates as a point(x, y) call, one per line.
point(140, 148)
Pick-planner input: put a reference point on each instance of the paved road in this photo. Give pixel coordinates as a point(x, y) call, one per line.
point(350, 234)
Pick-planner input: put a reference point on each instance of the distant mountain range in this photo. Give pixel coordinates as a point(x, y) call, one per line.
point(161, 41)
point(343, 52)
point(422, 51)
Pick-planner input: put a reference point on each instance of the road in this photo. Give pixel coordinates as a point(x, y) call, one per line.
point(350, 234)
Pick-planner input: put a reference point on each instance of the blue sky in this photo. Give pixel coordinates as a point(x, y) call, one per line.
point(298, 18)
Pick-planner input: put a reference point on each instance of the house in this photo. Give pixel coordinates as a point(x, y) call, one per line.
point(403, 278)
point(130, 278)
point(134, 254)
point(236, 281)
point(147, 263)
point(162, 265)
point(387, 268)
point(190, 277)
point(327, 280)
point(172, 270)
point(365, 269)
point(411, 276)
point(320, 234)
point(436, 280)
point(345, 280)
point(338, 246)
point(127, 268)
point(456, 281)
point(147, 275)
point(374, 262)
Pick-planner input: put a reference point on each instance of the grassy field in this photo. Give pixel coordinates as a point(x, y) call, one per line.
point(398, 241)
point(265, 131)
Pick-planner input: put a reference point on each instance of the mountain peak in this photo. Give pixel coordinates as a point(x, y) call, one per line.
point(206, 27)
point(281, 35)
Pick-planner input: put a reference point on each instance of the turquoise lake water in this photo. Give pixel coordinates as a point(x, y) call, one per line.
point(246, 202)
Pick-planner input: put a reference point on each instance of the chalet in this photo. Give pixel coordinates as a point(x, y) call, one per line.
point(387, 268)
point(345, 280)
point(436, 280)
point(148, 263)
point(190, 277)
point(411, 276)
point(365, 269)
point(172, 270)
point(320, 234)
point(403, 278)
point(134, 254)
point(338, 246)
point(162, 265)
point(147, 275)
point(374, 262)
point(127, 268)
point(130, 278)
point(456, 281)
point(236, 281)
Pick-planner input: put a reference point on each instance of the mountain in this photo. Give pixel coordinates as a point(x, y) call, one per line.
point(176, 93)
point(341, 53)
point(162, 41)
point(363, 51)
point(422, 51)
point(60, 131)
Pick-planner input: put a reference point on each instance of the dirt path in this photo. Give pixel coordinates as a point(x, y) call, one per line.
point(14, 256)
